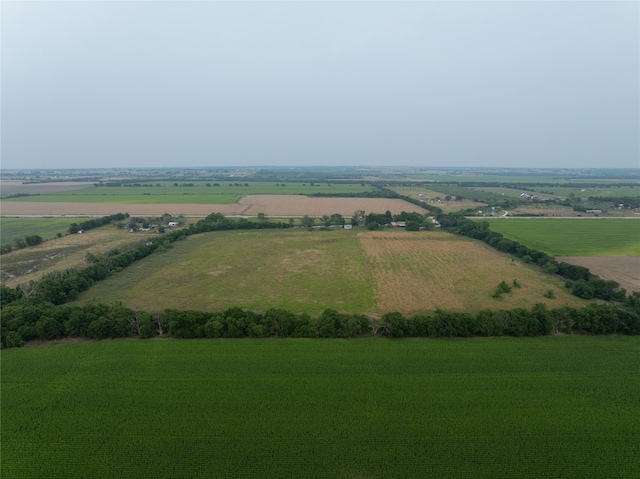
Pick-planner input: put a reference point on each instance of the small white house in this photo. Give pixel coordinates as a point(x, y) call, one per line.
point(172, 224)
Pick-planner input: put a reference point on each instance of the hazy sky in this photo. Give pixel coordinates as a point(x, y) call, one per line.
point(151, 84)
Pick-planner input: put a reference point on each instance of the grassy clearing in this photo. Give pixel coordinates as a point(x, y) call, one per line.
point(17, 228)
point(567, 237)
point(166, 193)
point(350, 271)
point(292, 269)
point(501, 408)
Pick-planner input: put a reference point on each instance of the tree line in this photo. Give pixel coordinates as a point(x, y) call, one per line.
point(26, 320)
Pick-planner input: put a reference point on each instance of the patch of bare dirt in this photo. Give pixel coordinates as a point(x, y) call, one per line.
point(623, 269)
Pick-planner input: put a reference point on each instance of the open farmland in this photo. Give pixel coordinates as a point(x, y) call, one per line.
point(574, 237)
point(9, 188)
point(196, 193)
point(251, 205)
point(501, 408)
point(348, 270)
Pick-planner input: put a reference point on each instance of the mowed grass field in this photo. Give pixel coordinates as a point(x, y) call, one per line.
point(17, 228)
point(355, 271)
point(562, 406)
point(166, 193)
point(296, 270)
point(574, 237)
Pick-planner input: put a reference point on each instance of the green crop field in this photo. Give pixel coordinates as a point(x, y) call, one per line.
point(17, 228)
point(378, 408)
point(166, 193)
point(574, 237)
point(354, 271)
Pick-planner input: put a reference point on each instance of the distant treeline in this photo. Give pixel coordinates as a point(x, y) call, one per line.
point(582, 282)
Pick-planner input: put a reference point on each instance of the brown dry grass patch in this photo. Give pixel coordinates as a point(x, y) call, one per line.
point(420, 272)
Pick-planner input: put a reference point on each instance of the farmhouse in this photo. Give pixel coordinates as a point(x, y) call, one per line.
point(172, 224)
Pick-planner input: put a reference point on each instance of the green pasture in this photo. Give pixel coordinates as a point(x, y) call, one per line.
point(574, 237)
point(377, 408)
point(166, 193)
point(297, 270)
point(17, 228)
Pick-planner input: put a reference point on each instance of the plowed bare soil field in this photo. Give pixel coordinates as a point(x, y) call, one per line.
point(425, 271)
point(250, 205)
point(623, 269)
